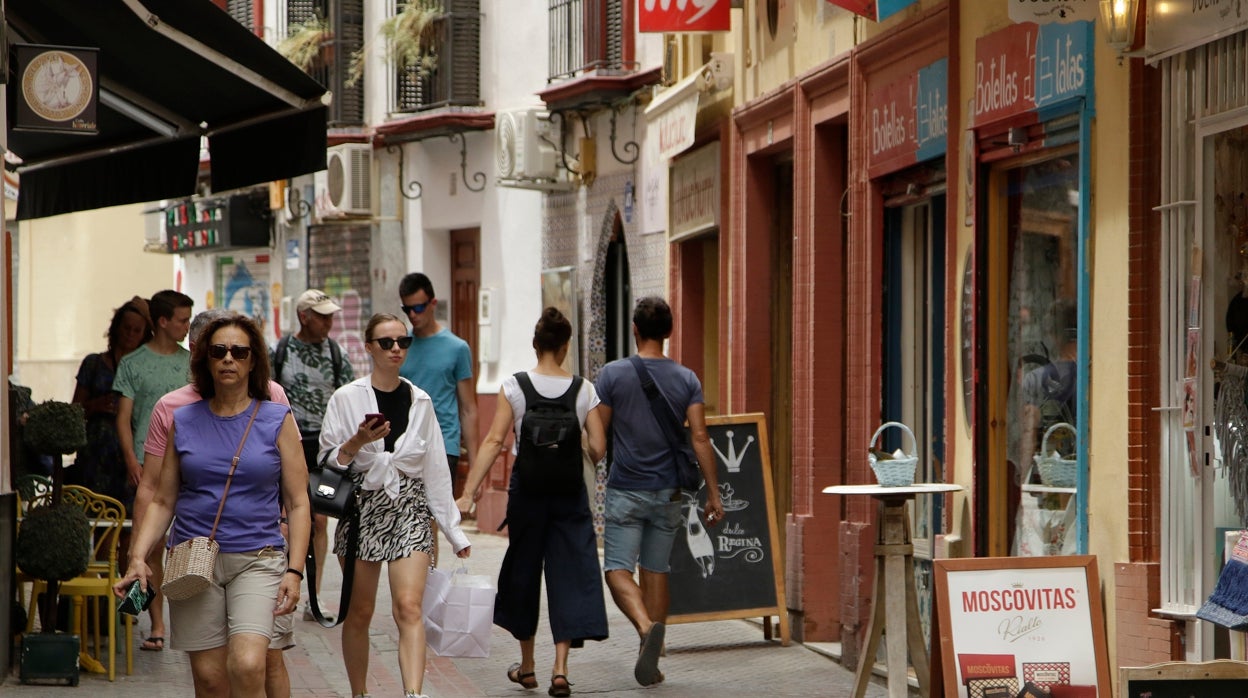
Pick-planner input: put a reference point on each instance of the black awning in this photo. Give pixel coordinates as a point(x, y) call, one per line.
point(170, 71)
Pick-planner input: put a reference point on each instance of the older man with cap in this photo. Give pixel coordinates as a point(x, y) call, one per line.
point(311, 366)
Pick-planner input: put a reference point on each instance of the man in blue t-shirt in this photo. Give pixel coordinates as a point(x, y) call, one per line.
point(440, 364)
point(643, 501)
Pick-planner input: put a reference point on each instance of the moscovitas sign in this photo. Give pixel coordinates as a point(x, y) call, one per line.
point(1027, 67)
point(683, 15)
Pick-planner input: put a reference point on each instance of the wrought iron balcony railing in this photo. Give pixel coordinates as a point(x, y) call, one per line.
point(453, 77)
point(590, 37)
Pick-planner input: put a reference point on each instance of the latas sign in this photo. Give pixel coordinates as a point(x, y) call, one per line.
point(683, 16)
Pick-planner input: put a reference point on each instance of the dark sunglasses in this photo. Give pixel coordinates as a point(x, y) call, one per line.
point(218, 351)
point(417, 308)
point(387, 343)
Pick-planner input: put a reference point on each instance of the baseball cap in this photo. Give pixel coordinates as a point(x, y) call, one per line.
point(316, 301)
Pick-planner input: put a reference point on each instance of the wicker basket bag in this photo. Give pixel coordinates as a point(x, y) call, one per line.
point(188, 568)
point(894, 472)
point(1055, 470)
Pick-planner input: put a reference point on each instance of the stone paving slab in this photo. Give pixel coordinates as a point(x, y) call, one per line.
point(720, 658)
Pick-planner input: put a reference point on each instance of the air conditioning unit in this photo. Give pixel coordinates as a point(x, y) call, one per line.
point(526, 147)
point(349, 172)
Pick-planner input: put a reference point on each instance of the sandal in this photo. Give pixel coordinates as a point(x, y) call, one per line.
point(646, 670)
point(153, 644)
point(527, 680)
point(560, 687)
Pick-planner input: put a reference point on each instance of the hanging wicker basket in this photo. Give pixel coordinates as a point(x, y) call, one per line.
point(1056, 471)
point(894, 472)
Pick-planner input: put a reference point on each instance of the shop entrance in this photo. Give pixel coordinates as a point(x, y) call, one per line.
point(914, 360)
point(1032, 332)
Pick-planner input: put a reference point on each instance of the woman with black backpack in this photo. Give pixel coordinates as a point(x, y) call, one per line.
point(548, 517)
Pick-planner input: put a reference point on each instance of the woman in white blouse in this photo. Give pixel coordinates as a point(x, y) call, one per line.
point(399, 466)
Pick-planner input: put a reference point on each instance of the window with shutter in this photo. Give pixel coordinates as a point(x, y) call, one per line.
point(589, 36)
point(453, 75)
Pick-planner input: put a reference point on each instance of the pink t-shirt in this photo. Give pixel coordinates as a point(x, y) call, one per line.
point(162, 414)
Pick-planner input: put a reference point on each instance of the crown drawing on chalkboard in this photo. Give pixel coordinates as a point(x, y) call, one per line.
point(733, 459)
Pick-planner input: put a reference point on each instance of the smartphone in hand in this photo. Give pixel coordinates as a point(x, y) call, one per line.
point(374, 419)
point(136, 600)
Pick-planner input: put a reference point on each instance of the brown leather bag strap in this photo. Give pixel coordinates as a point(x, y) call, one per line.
point(233, 466)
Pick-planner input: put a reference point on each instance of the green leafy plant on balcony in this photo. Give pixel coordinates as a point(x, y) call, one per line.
point(410, 40)
point(306, 43)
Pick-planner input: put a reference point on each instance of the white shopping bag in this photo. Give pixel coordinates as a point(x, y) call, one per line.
point(459, 611)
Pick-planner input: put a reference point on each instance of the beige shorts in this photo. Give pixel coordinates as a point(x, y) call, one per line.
point(283, 632)
point(240, 600)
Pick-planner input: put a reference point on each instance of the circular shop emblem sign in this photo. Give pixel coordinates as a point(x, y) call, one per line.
point(57, 85)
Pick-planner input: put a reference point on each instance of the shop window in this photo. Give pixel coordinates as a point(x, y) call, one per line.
point(1033, 335)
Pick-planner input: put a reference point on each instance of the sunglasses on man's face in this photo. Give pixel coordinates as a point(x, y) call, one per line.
point(218, 351)
point(417, 308)
point(387, 343)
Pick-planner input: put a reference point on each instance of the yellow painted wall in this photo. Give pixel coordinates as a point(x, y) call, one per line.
point(1109, 256)
point(74, 271)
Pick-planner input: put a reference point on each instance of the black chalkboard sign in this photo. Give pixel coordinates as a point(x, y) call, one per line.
point(1218, 679)
point(731, 570)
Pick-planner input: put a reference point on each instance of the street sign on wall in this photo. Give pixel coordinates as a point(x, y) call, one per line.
point(671, 16)
point(1047, 11)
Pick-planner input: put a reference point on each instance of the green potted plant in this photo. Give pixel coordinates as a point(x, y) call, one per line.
point(308, 44)
point(54, 543)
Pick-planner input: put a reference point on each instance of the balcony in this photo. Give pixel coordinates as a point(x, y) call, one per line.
point(453, 78)
point(345, 37)
point(591, 54)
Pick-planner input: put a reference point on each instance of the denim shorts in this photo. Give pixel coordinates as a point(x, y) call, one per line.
point(641, 526)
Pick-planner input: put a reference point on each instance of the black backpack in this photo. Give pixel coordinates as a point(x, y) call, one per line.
point(548, 461)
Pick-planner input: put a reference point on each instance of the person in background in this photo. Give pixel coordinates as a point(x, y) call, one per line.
point(226, 628)
point(143, 376)
point(643, 499)
point(398, 463)
point(440, 364)
point(311, 366)
point(550, 529)
point(100, 466)
point(277, 679)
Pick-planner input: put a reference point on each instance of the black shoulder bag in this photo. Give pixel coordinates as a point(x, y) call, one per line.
point(688, 474)
point(332, 493)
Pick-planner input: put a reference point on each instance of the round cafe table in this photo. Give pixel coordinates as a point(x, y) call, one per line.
point(894, 608)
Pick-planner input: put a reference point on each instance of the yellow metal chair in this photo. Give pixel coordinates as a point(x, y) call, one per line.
point(107, 517)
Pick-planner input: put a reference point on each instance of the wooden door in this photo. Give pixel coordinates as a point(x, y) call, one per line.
point(465, 281)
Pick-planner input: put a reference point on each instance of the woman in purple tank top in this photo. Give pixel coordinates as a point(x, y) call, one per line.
point(234, 460)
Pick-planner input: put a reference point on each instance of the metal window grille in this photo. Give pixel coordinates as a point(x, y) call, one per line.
point(1197, 85)
point(454, 79)
point(346, 24)
point(243, 12)
point(588, 36)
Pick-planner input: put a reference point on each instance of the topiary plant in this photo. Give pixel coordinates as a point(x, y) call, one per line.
point(56, 428)
point(54, 542)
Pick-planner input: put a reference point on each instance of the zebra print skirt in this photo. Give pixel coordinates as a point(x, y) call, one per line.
point(390, 529)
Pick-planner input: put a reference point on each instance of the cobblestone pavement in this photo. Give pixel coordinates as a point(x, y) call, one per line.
point(720, 658)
